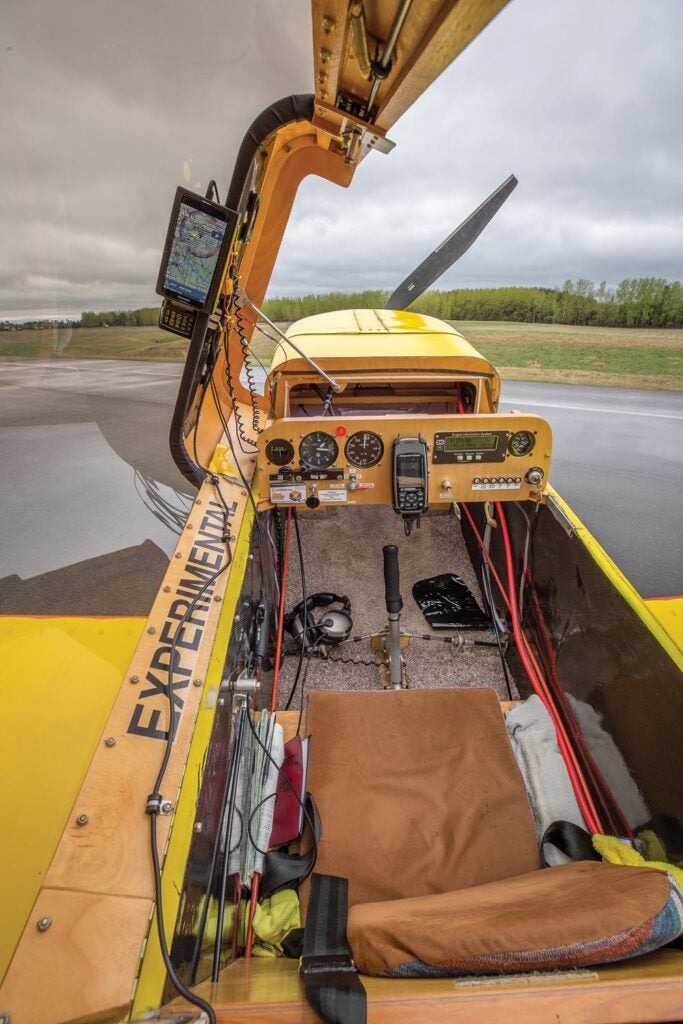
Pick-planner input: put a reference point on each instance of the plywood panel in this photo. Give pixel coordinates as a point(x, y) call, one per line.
point(68, 972)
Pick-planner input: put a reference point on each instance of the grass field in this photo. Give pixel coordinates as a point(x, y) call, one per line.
point(609, 356)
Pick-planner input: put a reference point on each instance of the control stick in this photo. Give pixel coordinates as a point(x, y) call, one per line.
point(392, 593)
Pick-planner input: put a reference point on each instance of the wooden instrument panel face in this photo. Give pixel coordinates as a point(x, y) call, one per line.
point(335, 460)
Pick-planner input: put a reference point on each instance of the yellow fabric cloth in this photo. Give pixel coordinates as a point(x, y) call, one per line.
point(274, 919)
point(616, 851)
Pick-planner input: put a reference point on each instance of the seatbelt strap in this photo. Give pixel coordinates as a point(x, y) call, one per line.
point(288, 870)
point(570, 839)
point(331, 983)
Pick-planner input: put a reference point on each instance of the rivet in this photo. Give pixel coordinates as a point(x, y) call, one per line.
point(82, 820)
point(329, 24)
point(151, 629)
point(197, 830)
point(221, 702)
point(237, 618)
point(198, 501)
point(178, 554)
point(110, 741)
point(197, 682)
point(166, 807)
point(190, 526)
point(44, 923)
point(135, 679)
point(217, 597)
point(243, 493)
point(251, 558)
point(324, 55)
point(167, 589)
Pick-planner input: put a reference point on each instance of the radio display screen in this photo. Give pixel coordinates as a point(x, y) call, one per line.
point(469, 443)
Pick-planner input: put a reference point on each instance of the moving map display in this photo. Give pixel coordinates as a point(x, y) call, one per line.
point(195, 248)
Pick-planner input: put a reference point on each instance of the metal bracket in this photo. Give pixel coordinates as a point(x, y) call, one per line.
point(378, 642)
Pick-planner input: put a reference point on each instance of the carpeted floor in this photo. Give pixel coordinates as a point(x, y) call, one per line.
point(343, 554)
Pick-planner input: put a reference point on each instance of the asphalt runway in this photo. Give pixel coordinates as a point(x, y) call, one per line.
point(92, 502)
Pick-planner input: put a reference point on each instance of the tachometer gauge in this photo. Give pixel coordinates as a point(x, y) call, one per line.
point(521, 442)
point(279, 451)
point(364, 449)
point(318, 450)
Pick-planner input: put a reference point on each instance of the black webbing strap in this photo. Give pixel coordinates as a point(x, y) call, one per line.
point(288, 870)
point(331, 983)
point(570, 839)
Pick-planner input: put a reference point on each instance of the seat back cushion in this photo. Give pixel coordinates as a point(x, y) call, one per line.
point(574, 915)
point(418, 792)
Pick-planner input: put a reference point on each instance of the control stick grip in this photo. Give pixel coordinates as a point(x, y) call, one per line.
point(392, 587)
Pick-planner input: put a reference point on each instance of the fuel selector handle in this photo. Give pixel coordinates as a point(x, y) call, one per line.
point(392, 587)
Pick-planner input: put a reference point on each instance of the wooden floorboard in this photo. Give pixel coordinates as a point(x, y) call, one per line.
point(649, 989)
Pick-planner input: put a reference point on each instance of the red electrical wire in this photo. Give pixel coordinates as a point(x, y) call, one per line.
point(579, 785)
point(535, 675)
point(281, 612)
point(610, 806)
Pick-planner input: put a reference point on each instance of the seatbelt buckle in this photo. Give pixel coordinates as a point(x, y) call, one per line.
point(326, 963)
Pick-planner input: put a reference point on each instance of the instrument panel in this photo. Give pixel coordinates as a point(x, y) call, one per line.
point(347, 460)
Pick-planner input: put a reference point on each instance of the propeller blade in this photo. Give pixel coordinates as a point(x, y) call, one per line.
point(450, 250)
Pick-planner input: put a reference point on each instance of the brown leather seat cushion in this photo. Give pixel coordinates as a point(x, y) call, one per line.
point(418, 791)
point(577, 914)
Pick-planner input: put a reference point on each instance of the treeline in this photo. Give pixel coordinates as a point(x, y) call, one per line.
point(148, 317)
point(637, 302)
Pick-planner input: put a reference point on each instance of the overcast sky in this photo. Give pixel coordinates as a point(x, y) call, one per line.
point(107, 105)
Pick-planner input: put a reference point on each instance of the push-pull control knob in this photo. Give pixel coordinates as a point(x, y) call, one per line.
point(534, 476)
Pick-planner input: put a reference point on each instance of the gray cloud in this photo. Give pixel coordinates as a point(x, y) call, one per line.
point(108, 105)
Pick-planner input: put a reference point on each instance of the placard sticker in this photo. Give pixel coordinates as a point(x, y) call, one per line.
point(332, 495)
point(292, 495)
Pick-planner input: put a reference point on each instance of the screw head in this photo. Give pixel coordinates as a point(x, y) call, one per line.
point(167, 589)
point(5, 1018)
point(135, 679)
point(189, 526)
point(198, 501)
point(221, 702)
point(197, 682)
point(110, 741)
point(217, 597)
point(151, 629)
point(43, 924)
point(178, 554)
point(166, 807)
point(197, 831)
point(82, 820)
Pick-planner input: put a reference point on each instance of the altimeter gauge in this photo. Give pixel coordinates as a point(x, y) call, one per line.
point(318, 450)
point(364, 449)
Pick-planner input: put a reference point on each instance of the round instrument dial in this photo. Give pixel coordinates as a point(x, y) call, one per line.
point(318, 450)
point(279, 451)
point(521, 442)
point(364, 449)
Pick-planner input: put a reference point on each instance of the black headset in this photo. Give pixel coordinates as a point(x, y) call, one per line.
point(332, 628)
